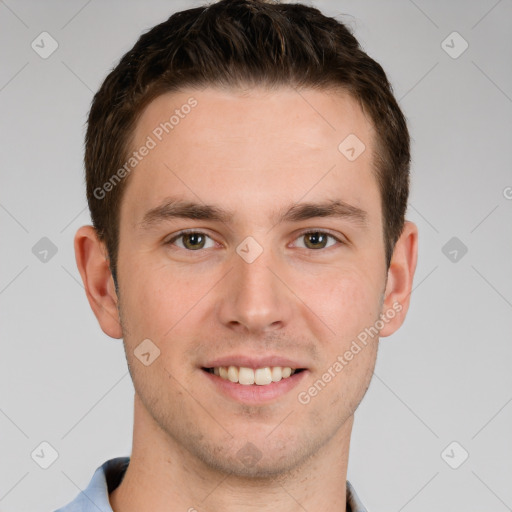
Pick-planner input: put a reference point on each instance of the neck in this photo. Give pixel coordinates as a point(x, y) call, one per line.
point(164, 476)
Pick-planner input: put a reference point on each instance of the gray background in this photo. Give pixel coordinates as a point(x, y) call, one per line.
point(443, 377)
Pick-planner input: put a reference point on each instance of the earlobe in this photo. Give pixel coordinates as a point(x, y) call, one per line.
point(400, 279)
point(92, 262)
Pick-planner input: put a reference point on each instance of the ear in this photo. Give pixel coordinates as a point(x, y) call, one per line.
point(92, 262)
point(400, 276)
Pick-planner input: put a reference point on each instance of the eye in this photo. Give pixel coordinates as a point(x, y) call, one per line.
point(191, 240)
point(317, 239)
point(196, 240)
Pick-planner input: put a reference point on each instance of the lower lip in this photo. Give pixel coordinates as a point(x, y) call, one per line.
point(254, 393)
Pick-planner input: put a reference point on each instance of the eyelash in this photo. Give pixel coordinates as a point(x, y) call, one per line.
point(304, 233)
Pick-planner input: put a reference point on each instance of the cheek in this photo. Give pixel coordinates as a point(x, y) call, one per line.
point(164, 305)
point(146, 275)
point(151, 300)
point(353, 381)
point(348, 301)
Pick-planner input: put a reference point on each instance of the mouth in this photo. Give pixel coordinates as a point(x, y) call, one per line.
point(254, 379)
point(245, 376)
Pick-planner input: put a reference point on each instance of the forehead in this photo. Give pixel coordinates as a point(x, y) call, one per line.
point(315, 119)
point(250, 147)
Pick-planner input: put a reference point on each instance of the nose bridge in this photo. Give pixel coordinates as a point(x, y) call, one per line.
point(255, 298)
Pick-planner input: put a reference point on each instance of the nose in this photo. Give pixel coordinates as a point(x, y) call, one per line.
point(254, 297)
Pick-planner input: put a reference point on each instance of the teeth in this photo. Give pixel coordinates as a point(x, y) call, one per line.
point(233, 374)
point(277, 374)
point(263, 376)
point(245, 376)
point(248, 376)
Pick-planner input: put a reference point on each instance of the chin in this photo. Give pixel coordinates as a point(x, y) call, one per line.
point(256, 459)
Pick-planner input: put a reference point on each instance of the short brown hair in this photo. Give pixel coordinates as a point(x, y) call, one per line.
point(241, 43)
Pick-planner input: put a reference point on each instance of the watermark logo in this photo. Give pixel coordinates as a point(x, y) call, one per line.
point(44, 455)
point(305, 397)
point(147, 352)
point(44, 250)
point(454, 249)
point(249, 455)
point(454, 455)
point(249, 249)
point(454, 45)
point(157, 135)
point(44, 45)
point(351, 147)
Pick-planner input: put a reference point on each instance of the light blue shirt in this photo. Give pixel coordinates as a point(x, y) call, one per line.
point(109, 475)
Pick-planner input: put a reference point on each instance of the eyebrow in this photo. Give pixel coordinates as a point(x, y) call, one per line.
point(177, 208)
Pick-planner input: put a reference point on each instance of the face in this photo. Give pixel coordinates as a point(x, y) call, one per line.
point(282, 265)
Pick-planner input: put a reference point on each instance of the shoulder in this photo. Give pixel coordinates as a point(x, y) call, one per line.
point(105, 479)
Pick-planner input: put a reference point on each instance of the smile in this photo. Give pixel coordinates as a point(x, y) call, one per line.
point(249, 376)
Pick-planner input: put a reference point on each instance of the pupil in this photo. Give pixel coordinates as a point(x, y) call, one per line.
point(194, 240)
point(316, 238)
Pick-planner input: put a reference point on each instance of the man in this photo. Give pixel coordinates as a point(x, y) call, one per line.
point(247, 173)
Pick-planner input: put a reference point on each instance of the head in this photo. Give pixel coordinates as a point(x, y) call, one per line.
point(237, 120)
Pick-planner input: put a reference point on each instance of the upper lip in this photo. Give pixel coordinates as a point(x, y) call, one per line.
point(253, 362)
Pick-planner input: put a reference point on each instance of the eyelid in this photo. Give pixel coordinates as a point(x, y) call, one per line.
point(175, 236)
point(321, 231)
point(183, 232)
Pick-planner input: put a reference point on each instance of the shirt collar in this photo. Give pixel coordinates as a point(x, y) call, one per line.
point(110, 474)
